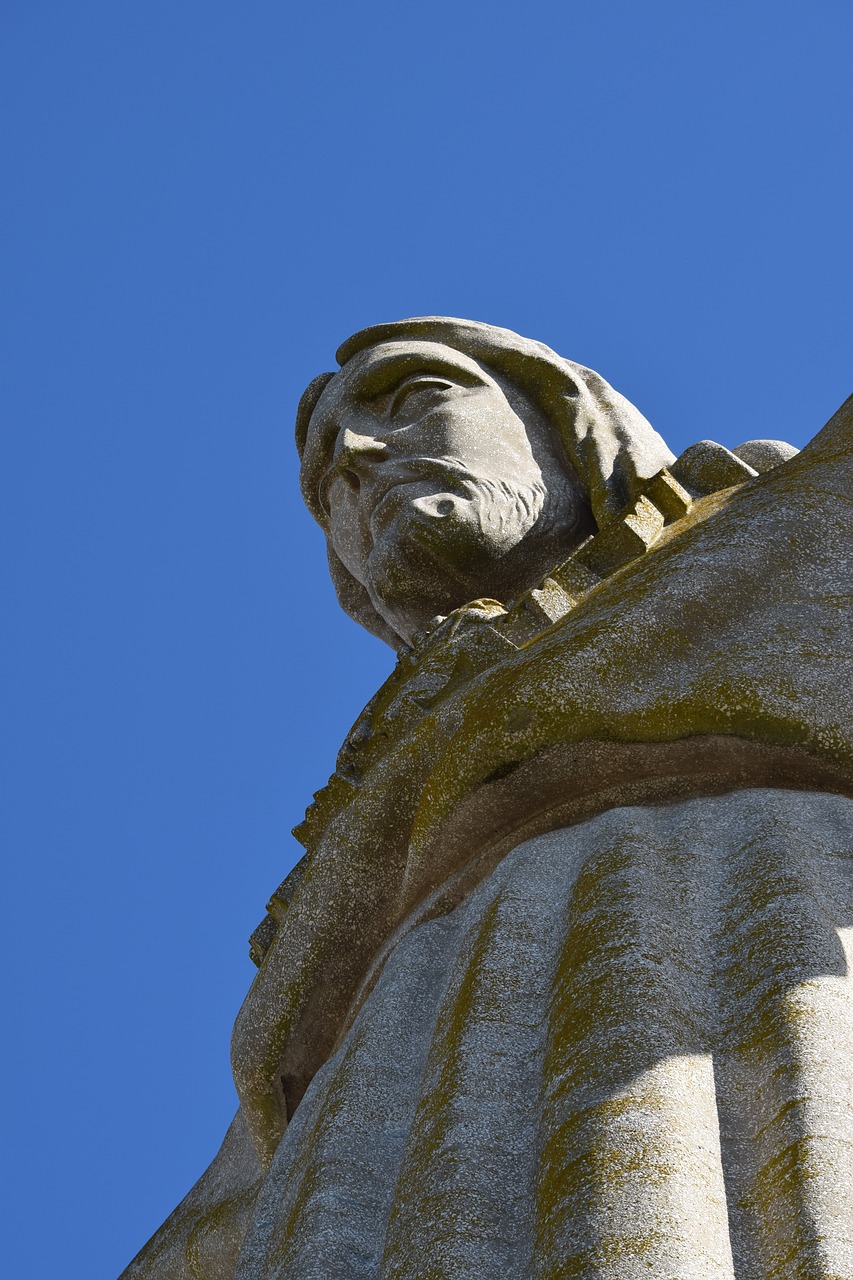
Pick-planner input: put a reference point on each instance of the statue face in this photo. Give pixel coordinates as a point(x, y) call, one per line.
point(438, 483)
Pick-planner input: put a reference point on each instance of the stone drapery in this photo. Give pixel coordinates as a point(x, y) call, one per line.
point(618, 1045)
point(627, 1053)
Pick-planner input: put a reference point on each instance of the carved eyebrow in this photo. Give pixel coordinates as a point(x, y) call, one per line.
point(399, 383)
point(387, 375)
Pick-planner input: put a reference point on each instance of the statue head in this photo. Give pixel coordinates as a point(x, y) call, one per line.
point(448, 460)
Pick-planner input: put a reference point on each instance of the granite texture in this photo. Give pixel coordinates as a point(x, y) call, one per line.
point(449, 459)
point(561, 985)
point(625, 1054)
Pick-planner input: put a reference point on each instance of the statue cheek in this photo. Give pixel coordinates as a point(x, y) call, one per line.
point(350, 540)
point(495, 446)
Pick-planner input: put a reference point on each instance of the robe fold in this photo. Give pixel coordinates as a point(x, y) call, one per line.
point(564, 990)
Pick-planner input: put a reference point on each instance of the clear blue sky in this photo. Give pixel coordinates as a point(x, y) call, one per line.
point(200, 201)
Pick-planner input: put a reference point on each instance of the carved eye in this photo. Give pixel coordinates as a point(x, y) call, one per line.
point(417, 384)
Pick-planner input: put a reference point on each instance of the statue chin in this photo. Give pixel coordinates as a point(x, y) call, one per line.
point(425, 565)
point(407, 592)
point(442, 550)
point(430, 561)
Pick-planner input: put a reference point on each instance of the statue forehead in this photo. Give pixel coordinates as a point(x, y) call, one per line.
point(373, 370)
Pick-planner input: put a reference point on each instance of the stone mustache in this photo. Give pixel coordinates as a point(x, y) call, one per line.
point(561, 987)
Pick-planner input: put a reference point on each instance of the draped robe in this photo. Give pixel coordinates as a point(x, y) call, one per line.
point(564, 989)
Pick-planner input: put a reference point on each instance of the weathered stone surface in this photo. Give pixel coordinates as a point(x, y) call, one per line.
point(619, 1056)
point(204, 1234)
point(560, 987)
point(449, 460)
point(764, 455)
point(707, 467)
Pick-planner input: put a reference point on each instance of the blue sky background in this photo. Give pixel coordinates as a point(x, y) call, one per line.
point(199, 202)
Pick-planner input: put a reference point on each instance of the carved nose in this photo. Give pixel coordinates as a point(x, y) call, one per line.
point(354, 455)
point(354, 448)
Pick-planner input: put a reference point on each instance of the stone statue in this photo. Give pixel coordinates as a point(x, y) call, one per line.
point(561, 987)
point(492, 458)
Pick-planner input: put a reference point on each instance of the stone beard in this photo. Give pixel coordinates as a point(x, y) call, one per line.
point(562, 984)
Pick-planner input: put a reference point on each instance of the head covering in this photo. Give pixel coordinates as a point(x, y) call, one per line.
point(609, 443)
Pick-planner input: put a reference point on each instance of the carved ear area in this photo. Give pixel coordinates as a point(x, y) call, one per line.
point(307, 405)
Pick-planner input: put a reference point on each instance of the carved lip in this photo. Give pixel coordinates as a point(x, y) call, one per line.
point(393, 501)
point(445, 478)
